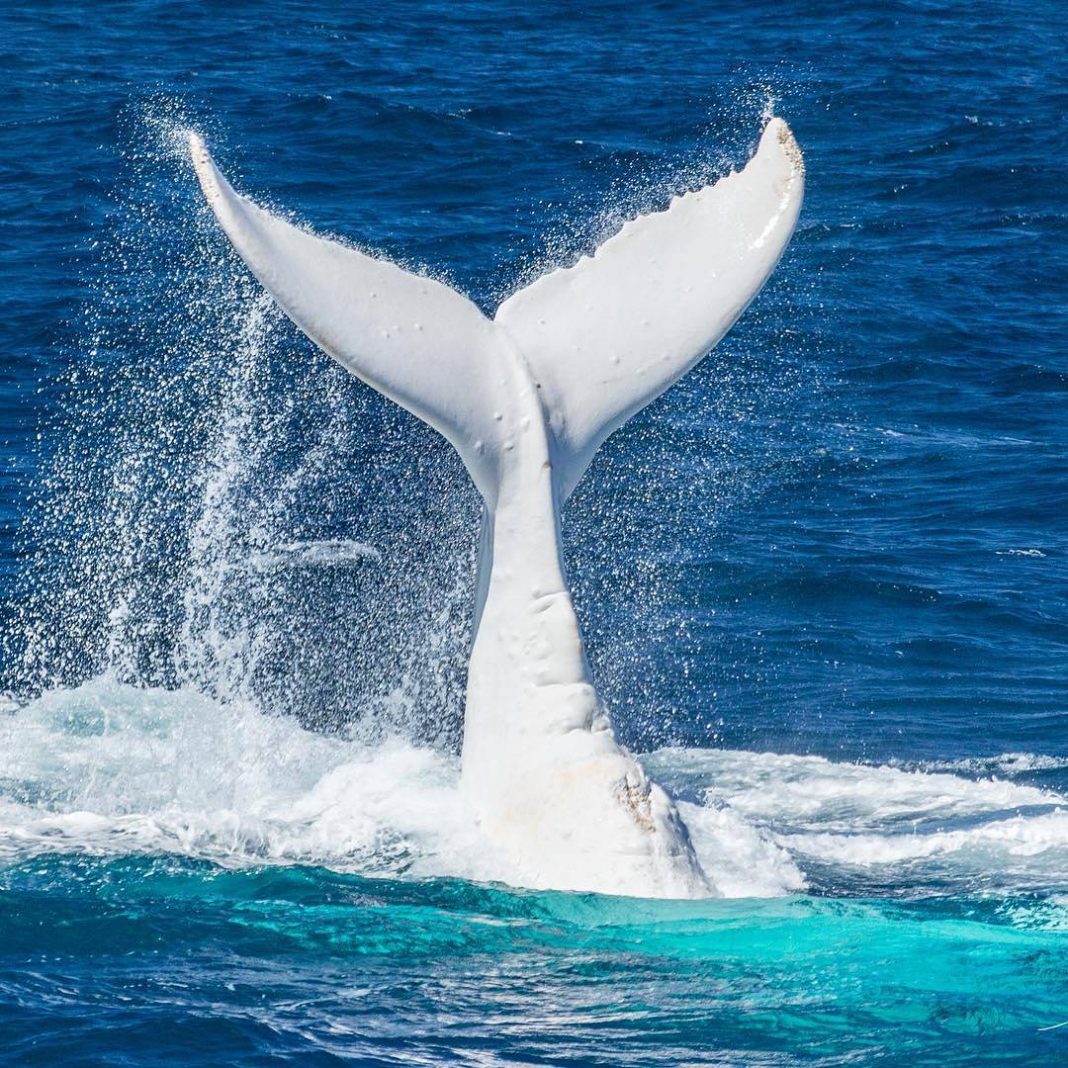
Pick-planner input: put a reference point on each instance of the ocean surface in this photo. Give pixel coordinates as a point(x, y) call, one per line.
point(824, 579)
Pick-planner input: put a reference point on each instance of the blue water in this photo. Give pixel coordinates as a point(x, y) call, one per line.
point(824, 580)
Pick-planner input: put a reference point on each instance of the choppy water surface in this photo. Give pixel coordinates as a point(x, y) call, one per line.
point(824, 580)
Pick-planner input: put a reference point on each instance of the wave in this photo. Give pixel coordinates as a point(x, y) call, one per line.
point(991, 846)
point(812, 793)
point(860, 827)
point(1010, 764)
point(109, 769)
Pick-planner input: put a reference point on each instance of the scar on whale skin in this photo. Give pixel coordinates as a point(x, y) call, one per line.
point(526, 398)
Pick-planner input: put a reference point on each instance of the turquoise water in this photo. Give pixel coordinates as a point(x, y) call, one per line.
point(824, 580)
point(156, 959)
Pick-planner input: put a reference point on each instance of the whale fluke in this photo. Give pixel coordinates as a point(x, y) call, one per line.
point(526, 399)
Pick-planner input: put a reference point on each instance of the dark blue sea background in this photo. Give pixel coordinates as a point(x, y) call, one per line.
point(823, 580)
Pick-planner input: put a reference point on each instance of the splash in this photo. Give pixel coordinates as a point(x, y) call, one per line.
point(873, 828)
point(222, 509)
point(220, 504)
point(113, 770)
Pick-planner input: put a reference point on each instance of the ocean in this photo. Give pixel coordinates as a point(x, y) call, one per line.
point(823, 580)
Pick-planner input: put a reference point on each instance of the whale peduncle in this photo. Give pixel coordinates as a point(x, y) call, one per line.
point(553, 790)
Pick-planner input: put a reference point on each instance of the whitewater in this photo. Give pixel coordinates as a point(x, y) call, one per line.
point(110, 770)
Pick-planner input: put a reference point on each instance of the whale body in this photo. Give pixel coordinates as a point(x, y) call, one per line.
point(526, 398)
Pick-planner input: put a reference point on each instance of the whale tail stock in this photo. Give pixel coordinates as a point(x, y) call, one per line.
point(526, 398)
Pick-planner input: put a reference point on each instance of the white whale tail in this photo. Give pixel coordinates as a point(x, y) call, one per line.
point(526, 399)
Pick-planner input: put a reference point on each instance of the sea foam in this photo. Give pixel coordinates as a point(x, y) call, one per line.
point(110, 769)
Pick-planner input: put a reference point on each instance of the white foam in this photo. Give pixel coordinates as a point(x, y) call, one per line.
point(743, 861)
point(1010, 764)
point(887, 822)
point(813, 793)
point(112, 770)
point(1020, 848)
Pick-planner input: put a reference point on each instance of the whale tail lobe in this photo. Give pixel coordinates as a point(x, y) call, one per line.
point(598, 340)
